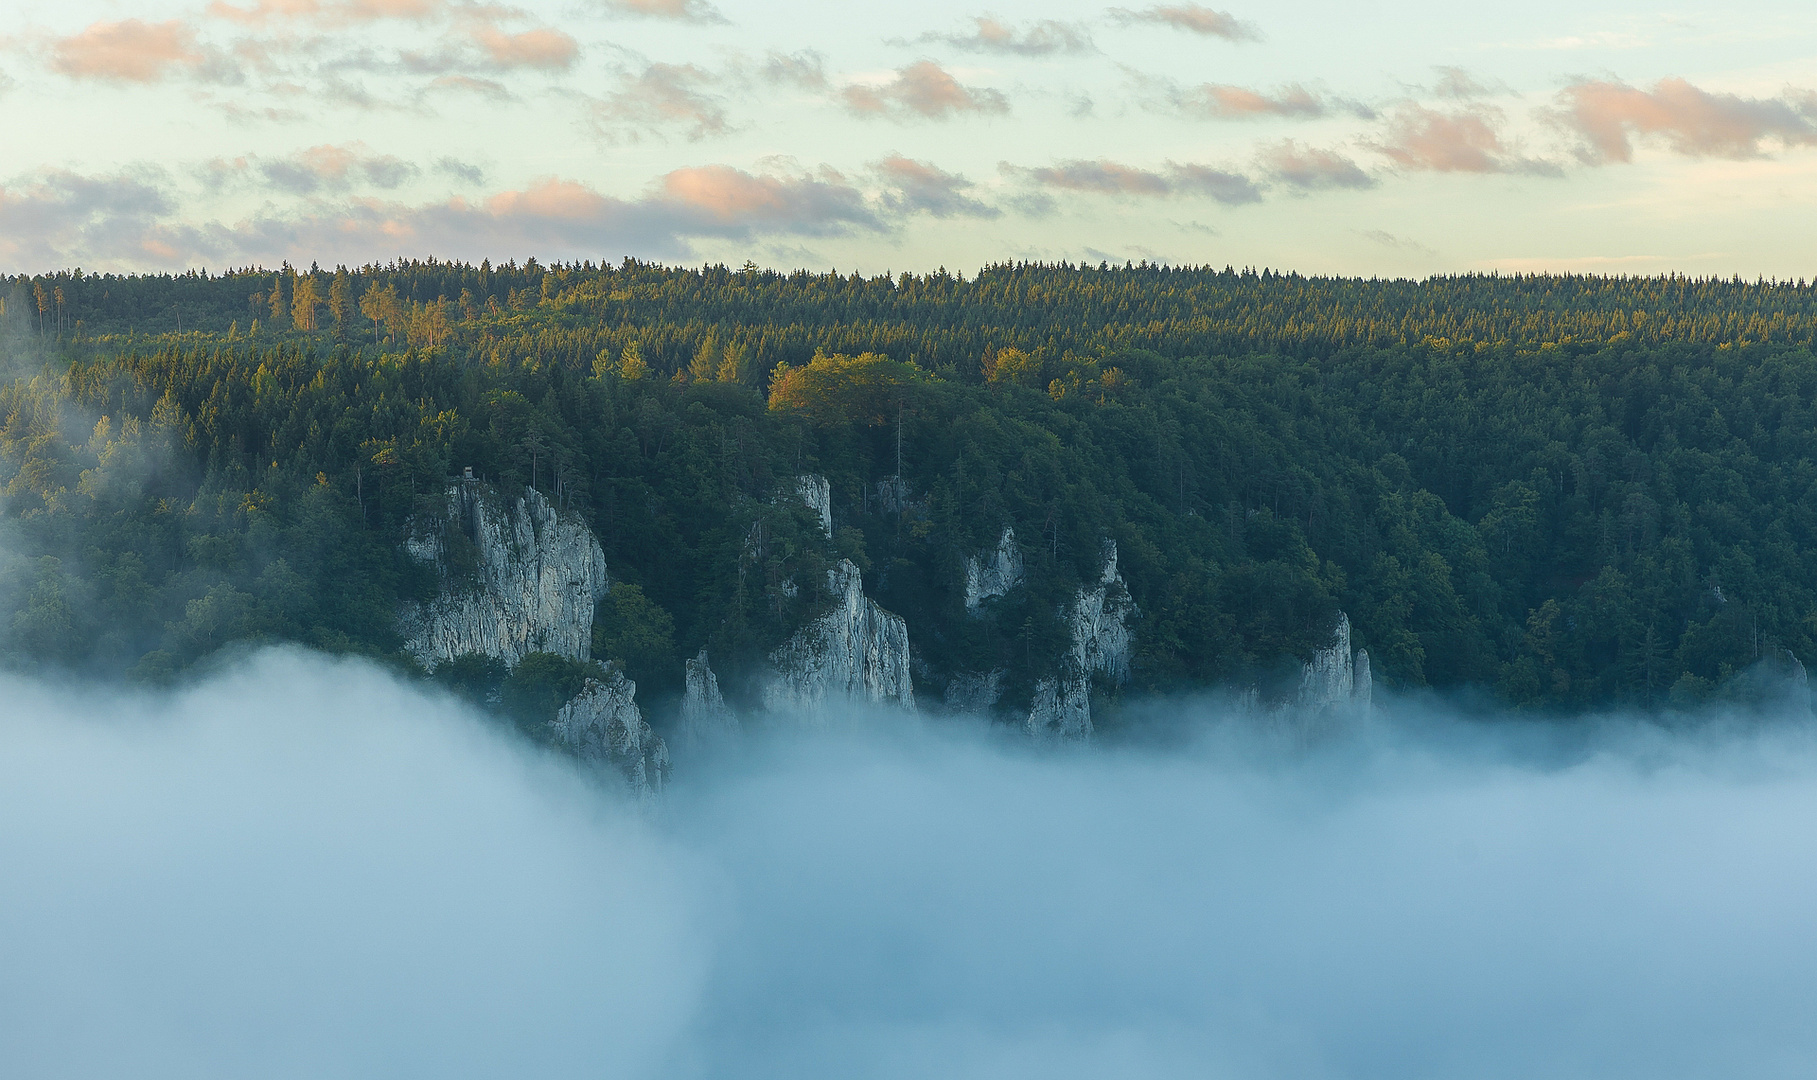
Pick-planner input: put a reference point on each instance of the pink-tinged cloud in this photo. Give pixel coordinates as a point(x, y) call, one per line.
point(1225, 102)
point(732, 198)
point(924, 89)
point(327, 12)
point(1193, 18)
point(543, 48)
point(663, 97)
point(680, 10)
point(920, 187)
point(1463, 141)
point(127, 51)
point(1609, 116)
point(124, 222)
point(1310, 169)
point(1045, 38)
point(1105, 177)
point(323, 169)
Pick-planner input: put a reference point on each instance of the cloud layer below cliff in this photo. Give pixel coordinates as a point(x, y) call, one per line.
point(302, 867)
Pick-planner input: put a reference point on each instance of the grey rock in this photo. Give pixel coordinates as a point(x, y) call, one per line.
point(856, 653)
point(705, 717)
point(539, 575)
point(817, 492)
point(972, 693)
point(1098, 624)
point(993, 574)
point(603, 724)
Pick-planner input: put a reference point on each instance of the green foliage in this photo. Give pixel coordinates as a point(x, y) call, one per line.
point(639, 635)
point(1575, 490)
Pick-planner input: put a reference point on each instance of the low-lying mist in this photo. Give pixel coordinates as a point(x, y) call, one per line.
point(304, 867)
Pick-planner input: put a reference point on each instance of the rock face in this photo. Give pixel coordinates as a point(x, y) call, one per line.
point(993, 574)
point(539, 574)
point(1335, 681)
point(1098, 620)
point(971, 693)
point(704, 715)
point(603, 724)
point(817, 492)
point(857, 653)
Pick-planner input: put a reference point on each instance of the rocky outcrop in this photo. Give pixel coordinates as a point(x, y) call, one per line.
point(993, 574)
point(603, 724)
point(855, 653)
point(1336, 682)
point(817, 492)
point(1098, 623)
point(972, 693)
point(705, 717)
point(526, 579)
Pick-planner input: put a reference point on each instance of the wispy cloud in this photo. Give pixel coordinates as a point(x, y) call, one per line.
point(661, 98)
point(699, 11)
point(919, 187)
point(1044, 38)
point(327, 13)
point(317, 170)
point(1221, 101)
point(1105, 177)
point(1608, 116)
point(128, 51)
point(1307, 168)
point(1192, 18)
point(1464, 140)
point(923, 90)
point(135, 221)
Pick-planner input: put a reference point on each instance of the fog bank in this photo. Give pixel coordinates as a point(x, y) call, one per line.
point(303, 867)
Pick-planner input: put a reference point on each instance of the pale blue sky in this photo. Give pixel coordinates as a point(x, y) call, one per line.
point(1319, 137)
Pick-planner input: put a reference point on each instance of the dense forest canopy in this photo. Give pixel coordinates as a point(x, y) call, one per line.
point(1576, 491)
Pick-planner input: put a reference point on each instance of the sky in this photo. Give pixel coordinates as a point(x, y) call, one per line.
point(302, 866)
point(1393, 140)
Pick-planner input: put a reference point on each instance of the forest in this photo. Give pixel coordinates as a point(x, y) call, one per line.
point(1568, 492)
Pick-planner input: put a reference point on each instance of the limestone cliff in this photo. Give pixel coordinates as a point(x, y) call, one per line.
point(817, 493)
point(603, 724)
point(705, 716)
point(535, 576)
point(1336, 682)
point(1098, 624)
point(993, 574)
point(856, 653)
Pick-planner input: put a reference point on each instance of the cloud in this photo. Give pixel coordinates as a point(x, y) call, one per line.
point(1311, 169)
point(460, 170)
point(132, 222)
point(660, 98)
point(398, 882)
point(62, 218)
point(1045, 38)
point(1193, 18)
point(1466, 140)
point(1231, 189)
point(304, 867)
point(330, 168)
point(918, 187)
point(1222, 102)
point(542, 48)
point(805, 69)
point(923, 89)
point(1105, 177)
point(1399, 243)
point(128, 51)
point(681, 10)
point(328, 13)
point(1608, 116)
point(1456, 84)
